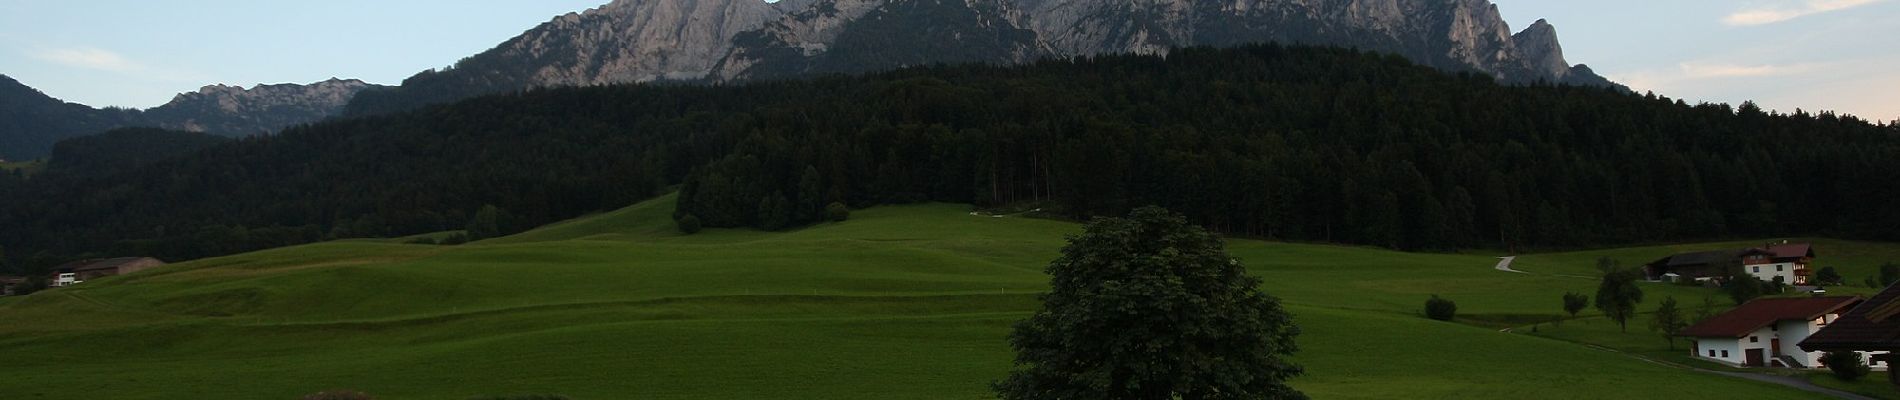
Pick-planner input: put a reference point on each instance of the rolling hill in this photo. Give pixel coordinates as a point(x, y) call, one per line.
point(903, 302)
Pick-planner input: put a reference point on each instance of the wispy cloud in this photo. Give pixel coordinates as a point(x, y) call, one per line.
point(1696, 70)
point(1771, 14)
point(90, 58)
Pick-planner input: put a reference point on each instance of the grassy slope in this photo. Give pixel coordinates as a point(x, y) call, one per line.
point(899, 302)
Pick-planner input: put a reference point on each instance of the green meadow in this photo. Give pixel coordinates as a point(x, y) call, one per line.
point(904, 302)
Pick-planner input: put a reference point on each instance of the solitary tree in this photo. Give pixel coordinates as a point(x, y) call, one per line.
point(1668, 321)
point(1149, 307)
point(1617, 296)
point(1575, 302)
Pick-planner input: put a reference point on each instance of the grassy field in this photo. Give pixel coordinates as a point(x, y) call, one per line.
point(907, 302)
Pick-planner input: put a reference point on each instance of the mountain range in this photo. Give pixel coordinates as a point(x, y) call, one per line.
point(31, 121)
point(723, 41)
point(720, 41)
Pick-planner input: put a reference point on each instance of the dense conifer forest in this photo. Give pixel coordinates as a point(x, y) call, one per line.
point(1292, 143)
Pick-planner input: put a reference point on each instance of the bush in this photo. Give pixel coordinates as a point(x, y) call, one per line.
point(1744, 287)
point(1440, 309)
point(689, 224)
point(339, 395)
point(1846, 365)
point(455, 239)
point(422, 240)
point(837, 212)
point(1827, 276)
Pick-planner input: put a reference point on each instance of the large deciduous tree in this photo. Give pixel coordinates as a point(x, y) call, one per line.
point(1150, 307)
point(1617, 296)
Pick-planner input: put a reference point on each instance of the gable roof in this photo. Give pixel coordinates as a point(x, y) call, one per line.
point(1793, 250)
point(1874, 325)
point(1760, 313)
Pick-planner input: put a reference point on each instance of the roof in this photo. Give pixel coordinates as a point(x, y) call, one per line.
point(1873, 326)
point(10, 280)
point(1712, 257)
point(1794, 250)
point(1760, 313)
point(100, 263)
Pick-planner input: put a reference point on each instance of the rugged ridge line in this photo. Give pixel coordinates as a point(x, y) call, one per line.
point(714, 41)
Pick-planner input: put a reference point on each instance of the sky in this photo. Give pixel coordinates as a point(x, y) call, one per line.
point(1784, 54)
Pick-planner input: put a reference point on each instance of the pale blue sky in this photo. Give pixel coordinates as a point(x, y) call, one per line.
point(1786, 54)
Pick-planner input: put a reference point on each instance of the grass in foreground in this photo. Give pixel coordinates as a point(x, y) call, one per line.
point(899, 302)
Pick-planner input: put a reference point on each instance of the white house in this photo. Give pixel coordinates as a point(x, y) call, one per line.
point(1764, 332)
point(1786, 261)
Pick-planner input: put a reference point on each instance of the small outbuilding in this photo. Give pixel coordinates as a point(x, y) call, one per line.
point(1873, 327)
point(1764, 332)
point(75, 272)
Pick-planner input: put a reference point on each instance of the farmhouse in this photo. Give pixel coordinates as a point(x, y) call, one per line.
point(1764, 332)
point(1873, 327)
point(7, 283)
point(1788, 261)
point(84, 270)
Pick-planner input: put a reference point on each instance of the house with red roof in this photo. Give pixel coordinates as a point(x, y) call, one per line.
point(1787, 261)
point(1765, 332)
point(1873, 328)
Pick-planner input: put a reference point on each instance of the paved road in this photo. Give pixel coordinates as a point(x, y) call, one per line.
point(1790, 382)
point(1504, 264)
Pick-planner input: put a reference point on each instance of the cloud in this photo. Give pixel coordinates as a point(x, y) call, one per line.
point(1693, 70)
point(90, 58)
point(1773, 14)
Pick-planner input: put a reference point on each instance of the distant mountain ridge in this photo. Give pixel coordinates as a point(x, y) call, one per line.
point(31, 121)
point(717, 41)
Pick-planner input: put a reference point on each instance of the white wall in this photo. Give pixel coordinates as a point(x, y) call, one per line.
point(1725, 350)
point(1768, 272)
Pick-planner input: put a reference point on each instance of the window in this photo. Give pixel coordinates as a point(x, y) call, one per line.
point(1758, 268)
point(1711, 353)
point(1754, 339)
point(1724, 353)
point(1778, 268)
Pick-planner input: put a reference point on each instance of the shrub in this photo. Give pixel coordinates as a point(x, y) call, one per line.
point(422, 240)
point(837, 212)
point(339, 395)
point(455, 239)
point(1827, 276)
point(1846, 365)
point(1440, 309)
point(1743, 288)
point(689, 224)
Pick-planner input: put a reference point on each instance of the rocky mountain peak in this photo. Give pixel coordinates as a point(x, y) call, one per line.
point(1537, 46)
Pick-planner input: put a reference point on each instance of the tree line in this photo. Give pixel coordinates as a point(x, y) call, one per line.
point(1291, 143)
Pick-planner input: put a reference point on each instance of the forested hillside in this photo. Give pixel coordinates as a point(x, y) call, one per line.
point(1290, 143)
